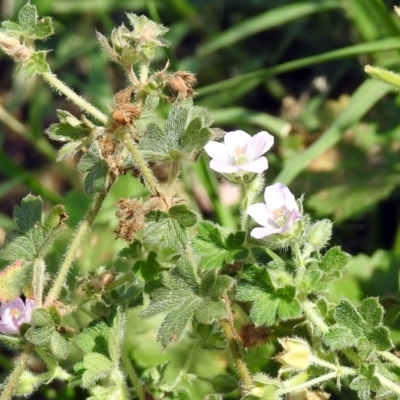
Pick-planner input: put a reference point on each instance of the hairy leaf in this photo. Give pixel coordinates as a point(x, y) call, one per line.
point(216, 246)
point(269, 302)
point(186, 295)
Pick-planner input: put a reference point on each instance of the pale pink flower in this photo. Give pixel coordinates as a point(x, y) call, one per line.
point(240, 152)
point(278, 214)
point(13, 314)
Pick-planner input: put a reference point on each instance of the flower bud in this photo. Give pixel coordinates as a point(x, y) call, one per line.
point(296, 354)
point(319, 234)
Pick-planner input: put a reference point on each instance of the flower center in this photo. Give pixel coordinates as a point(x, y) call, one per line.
point(280, 216)
point(240, 157)
point(15, 312)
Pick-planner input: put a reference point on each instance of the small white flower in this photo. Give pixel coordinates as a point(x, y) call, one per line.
point(277, 215)
point(13, 314)
point(240, 152)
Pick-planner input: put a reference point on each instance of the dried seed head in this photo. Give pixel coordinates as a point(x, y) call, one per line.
point(131, 215)
point(125, 114)
point(12, 46)
point(180, 83)
point(252, 336)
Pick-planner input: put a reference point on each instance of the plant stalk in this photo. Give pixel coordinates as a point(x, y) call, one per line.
point(69, 256)
point(142, 165)
point(84, 105)
point(133, 376)
point(39, 268)
point(11, 382)
point(241, 366)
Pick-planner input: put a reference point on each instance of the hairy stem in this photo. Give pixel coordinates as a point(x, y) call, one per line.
point(308, 384)
point(141, 163)
point(174, 174)
point(39, 268)
point(69, 256)
point(84, 105)
point(241, 366)
point(314, 316)
point(390, 357)
point(132, 376)
point(11, 382)
point(388, 383)
point(249, 192)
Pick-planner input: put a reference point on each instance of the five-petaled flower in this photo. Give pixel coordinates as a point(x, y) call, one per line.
point(240, 152)
point(277, 215)
point(13, 314)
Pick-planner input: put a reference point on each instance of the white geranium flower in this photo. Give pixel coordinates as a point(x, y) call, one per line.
point(278, 214)
point(240, 152)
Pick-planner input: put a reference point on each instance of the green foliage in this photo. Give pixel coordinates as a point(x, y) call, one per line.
point(29, 25)
point(186, 295)
point(187, 130)
point(70, 131)
point(362, 328)
point(178, 259)
point(97, 179)
point(31, 239)
point(269, 301)
point(217, 246)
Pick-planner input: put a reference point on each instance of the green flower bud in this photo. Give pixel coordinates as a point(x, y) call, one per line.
point(319, 234)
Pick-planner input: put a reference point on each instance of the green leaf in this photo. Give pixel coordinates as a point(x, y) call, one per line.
point(155, 144)
point(183, 215)
point(181, 394)
point(269, 303)
point(30, 240)
point(372, 311)
point(117, 336)
point(28, 215)
point(169, 232)
point(97, 367)
point(68, 129)
point(365, 382)
point(225, 383)
point(361, 328)
point(59, 345)
point(346, 315)
point(40, 335)
point(334, 260)
point(217, 246)
point(41, 317)
point(195, 136)
point(339, 337)
point(94, 338)
point(11, 342)
point(37, 64)
point(176, 123)
point(105, 393)
point(15, 279)
point(235, 240)
point(184, 295)
point(33, 27)
point(29, 26)
point(97, 180)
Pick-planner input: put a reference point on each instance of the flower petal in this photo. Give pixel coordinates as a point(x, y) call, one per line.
point(257, 166)
point(27, 313)
point(259, 233)
point(259, 213)
point(217, 151)
point(236, 139)
point(223, 167)
point(5, 309)
point(8, 328)
point(275, 196)
point(259, 144)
